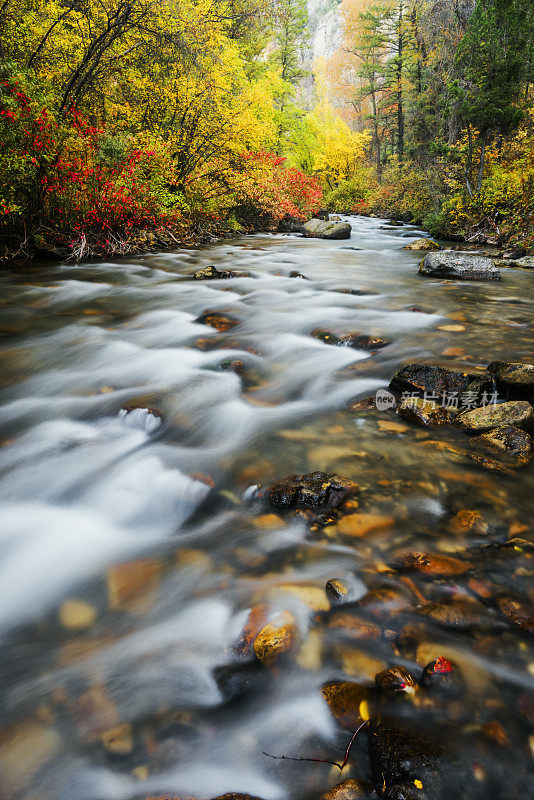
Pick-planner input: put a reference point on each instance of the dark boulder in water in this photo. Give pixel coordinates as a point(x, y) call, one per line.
point(432, 379)
point(212, 273)
point(215, 319)
point(316, 490)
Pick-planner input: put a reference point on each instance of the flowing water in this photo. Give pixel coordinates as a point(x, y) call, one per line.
point(131, 553)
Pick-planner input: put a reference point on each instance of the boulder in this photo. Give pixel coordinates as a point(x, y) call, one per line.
point(507, 260)
point(527, 262)
point(406, 760)
point(211, 273)
point(431, 379)
point(319, 229)
point(343, 699)
point(519, 612)
point(433, 564)
point(513, 375)
point(422, 244)
point(221, 322)
point(422, 412)
point(459, 266)
point(457, 613)
point(346, 790)
point(479, 420)
point(508, 442)
point(353, 627)
point(360, 341)
point(317, 490)
point(275, 638)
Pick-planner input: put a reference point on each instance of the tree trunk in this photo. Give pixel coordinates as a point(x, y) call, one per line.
point(482, 160)
point(400, 109)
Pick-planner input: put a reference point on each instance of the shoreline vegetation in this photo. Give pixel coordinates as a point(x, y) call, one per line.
point(128, 126)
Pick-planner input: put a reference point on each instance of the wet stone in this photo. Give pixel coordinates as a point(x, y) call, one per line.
point(433, 564)
point(404, 763)
point(238, 681)
point(346, 790)
point(320, 229)
point(431, 379)
point(118, 741)
point(275, 639)
point(77, 614)
point(360, 524)
point(358, 341)
point(456, 613)
point(236, 796)
point(386, 601)
point(316, 490)
point(395, 679)
point(513, 376)
point(212, 273)
point(221, 322)
point(459, 266)
point(508, 442)
point(479, 420)
point(343, 699)
point(443, 677)
point(422, 244)
point(519, 612)
point(336, 591)
point(423, 412)
point(295, 274)
point(353, 627)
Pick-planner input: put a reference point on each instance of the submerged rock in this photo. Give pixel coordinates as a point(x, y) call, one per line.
point(459, 266)
point(354, 627)
point(432, 379)
point(404, 763)
point(316, 490)
point(346, 790)
point(361, 524)
point(456, 613)
point(221, 322)
point(422, 412)
point(519, 612)
point(507, 441)
point(433, 564)
point(479, 420)
point(343, 699)
point(327, 230)
point(422, 244)
point(513, 375)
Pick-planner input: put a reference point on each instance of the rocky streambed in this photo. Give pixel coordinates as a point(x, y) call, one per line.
point(259, 497)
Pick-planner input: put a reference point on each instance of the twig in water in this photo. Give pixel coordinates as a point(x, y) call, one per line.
point(325, 760)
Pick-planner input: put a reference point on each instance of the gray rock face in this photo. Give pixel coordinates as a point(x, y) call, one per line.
point(516, 412)
point(525, 262)
point(319, 229)
point(459, 266)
